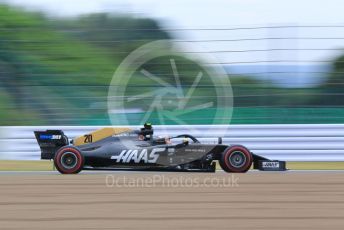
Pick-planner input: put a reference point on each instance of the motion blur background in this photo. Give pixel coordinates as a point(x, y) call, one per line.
point(57, 58)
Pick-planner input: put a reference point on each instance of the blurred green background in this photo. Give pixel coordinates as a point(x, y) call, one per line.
point(57, 72)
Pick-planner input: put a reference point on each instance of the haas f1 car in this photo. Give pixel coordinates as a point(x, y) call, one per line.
point(123, 148)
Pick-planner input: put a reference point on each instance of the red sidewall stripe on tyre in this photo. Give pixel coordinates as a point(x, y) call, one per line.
point(76, 167)
point(243, 150)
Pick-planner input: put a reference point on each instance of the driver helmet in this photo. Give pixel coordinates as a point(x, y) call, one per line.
point(147, 125)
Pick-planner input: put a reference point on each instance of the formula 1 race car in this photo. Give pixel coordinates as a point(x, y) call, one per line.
point(125, 149)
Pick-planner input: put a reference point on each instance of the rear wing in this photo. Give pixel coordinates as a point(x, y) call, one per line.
point(50, 141)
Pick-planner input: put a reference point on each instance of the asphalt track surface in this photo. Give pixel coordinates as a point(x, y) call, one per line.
point(132, 200)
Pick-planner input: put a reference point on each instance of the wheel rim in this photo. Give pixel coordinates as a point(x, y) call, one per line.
point(69, 160)
point(237, 159)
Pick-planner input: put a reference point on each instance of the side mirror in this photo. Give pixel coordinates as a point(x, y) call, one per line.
point(181, 145)
point(219, 140)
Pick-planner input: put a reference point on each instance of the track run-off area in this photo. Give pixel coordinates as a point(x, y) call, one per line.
point(155, 200)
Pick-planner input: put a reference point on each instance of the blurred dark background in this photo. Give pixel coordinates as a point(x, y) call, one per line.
point(56, 71)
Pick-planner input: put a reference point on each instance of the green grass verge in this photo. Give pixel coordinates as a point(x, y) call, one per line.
point(312, 165)
point(316, 165)
point(10, 165)
point(7, 165)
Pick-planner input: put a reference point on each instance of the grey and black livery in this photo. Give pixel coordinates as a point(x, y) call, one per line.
point(125, 149)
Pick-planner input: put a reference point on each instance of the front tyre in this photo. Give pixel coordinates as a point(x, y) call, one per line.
point(236, 159)
point(68, 160)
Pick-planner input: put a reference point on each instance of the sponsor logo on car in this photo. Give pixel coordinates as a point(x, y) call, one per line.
point(50, 137)
point(138, 156)
point(270, 164)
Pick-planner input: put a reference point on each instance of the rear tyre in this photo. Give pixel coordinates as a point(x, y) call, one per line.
point(68, 160)
point(236, 159)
